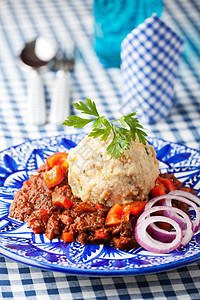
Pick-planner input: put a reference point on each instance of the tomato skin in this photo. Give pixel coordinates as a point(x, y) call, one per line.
point(163, 186)
point(85, 207)
point(158, 190)
point(59, 158)
point(67, 237)
point(168, 183)
point(137, 207)
point(114, 215)
point(117, 213)
point(54, 176)
point(61, 200)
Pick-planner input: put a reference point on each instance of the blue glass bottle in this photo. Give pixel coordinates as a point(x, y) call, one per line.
point(113, 20)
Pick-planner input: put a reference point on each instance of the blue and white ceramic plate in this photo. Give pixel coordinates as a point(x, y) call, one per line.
point(18, 242)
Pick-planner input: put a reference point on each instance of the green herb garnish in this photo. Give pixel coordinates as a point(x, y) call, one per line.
point(102, 127)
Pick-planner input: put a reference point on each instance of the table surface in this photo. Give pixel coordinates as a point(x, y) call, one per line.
point(22, 21)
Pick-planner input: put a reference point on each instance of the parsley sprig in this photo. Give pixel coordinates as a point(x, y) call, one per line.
point(102, 127)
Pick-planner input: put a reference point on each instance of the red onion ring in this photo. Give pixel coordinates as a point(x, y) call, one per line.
point(174, 195)
point(186, 195)
point(155, 239)
point(193, 198)
point(150, 244)
point(177, 218)
point(181, 221)
point(187, 234)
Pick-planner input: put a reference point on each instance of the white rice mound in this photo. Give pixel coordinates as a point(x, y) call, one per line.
point(98, 177)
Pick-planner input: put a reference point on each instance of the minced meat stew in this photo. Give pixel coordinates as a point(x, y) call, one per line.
point(82, 222)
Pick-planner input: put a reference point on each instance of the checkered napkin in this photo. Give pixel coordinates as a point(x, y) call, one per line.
point(150, 57)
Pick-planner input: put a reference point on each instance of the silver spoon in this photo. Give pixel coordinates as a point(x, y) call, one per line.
point(38, 55)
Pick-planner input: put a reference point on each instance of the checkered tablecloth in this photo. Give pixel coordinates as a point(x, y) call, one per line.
point(22, 21)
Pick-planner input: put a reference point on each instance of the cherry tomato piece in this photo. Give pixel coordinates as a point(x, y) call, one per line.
point(137, 207)
point(61, 200)
point(168, 183)
point(59, 158)
point(54, 176)
point(158, 190)
point(114, 215)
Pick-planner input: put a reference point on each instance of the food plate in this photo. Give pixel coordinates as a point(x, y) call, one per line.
point(18, 242)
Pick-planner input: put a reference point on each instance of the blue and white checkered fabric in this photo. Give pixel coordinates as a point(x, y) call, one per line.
point(150, 58)
point(23, 20)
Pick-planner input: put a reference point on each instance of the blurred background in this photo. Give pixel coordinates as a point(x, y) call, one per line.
point(96, 28)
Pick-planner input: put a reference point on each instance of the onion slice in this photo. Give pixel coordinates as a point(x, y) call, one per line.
point(179, 195)
point(157, 240)
point(187, 234)
point(153, 201)
point(186, 195)
point(150, 244)
point(194, 199)
point(177, 218)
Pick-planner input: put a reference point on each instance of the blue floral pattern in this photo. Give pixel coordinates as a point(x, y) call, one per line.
point(18, 242)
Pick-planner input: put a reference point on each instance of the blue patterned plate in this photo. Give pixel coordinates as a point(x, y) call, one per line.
point(18, 242)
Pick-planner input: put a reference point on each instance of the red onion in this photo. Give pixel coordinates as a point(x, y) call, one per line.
point(193, 198)
point(174, 195)
point(154, 200)
point(155, 239)
point(186, 195)
point(166, 235)
point(177, 218)
point(150, 204)
point(150, 244)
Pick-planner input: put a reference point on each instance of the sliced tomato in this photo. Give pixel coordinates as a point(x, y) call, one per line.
point(114, 215)
point(136, 207)
point(168, 183)
point(67, 237)
point(101, 234)
point(54, 176)
point(158, 190)
point(59, 158)
point(61, 200)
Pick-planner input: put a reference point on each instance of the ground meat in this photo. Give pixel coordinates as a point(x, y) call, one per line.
point(53, 227)
point(33, 204)
point(88, 223)
point(124, 243)
point(127, 229)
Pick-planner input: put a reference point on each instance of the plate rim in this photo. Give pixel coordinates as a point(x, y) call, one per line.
point(102, 273)
point(97, 272)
